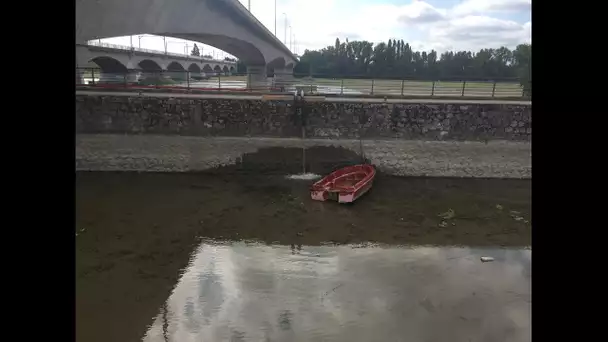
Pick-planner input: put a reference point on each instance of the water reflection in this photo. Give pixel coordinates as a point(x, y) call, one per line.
point(251, 292)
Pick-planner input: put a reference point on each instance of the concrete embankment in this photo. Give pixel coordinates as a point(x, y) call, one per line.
point(476, 139)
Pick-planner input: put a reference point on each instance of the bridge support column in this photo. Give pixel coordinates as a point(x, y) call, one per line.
point(256, 77)
point(283, 78)
point(132, 77)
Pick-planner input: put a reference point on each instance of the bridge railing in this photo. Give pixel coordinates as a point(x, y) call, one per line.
point(220, 80)
point(158, 52)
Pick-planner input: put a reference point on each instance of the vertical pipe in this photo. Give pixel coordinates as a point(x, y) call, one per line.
point(433, 89)
point(342, 87)
point(402, 86)
point(494, 89)
point(372, 87)
point(285, 29)
point(464, 84)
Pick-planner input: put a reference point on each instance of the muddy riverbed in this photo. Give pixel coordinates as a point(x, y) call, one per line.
point(137, 234)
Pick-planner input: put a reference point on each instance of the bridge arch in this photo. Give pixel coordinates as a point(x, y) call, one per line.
point(225, 69)
point(176, 71)
point(232, 70)
point(277, 63)
point(175, 66)
point(217, 68)
point(245, 51)
point(149, 65)
point(226, 25)
point(194, 68)
point(109, 64)
point(207, 68)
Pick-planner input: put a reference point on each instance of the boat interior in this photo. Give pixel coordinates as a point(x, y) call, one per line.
point(345, 181)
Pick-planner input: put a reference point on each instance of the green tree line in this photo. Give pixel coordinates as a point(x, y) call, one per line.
point(397, 59)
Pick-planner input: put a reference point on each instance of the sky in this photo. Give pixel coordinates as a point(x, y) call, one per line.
point(433, 24)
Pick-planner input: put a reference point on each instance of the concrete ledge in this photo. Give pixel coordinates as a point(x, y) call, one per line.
point(495, 159)
point(257, 95)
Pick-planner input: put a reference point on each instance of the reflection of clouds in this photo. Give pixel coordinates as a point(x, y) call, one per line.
point(257, 292)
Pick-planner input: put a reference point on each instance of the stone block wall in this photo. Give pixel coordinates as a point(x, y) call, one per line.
point(198, 117)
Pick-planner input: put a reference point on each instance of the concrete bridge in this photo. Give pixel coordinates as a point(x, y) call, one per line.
point(224, 24)
point(113, 58)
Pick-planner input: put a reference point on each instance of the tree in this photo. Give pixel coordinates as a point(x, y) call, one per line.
point(523, 63)
point(195, 51)
point(396, 58)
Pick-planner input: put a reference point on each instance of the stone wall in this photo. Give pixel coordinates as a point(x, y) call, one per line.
point(198, 117)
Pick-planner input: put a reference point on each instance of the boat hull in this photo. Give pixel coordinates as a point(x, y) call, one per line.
point(345, 185)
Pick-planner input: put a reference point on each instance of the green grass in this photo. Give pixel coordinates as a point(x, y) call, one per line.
point(395, 87)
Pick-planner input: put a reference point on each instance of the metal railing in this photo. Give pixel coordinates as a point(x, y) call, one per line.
point(221, 80)
point(158, 52)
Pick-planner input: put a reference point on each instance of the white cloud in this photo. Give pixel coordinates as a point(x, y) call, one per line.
point(475, 32)
point(420, 12)
point(486, 6)
point(468, 25)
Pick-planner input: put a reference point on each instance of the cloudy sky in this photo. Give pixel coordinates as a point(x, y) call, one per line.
point(432, 24)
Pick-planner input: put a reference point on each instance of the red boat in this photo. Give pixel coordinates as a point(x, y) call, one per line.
point(344, 185)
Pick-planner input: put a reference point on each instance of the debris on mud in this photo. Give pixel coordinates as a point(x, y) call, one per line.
point(486, 259)
point(517, 217)
point(448, 214)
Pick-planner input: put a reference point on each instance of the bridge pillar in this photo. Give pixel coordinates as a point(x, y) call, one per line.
point(256, 77)
point(133, 76)
point(283, 78)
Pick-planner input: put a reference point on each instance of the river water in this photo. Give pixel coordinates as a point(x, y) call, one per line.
point(233, 256)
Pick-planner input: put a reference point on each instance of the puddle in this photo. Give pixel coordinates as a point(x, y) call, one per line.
point(318, 160)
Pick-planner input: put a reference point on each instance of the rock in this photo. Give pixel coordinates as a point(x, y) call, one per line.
point(448, 214)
